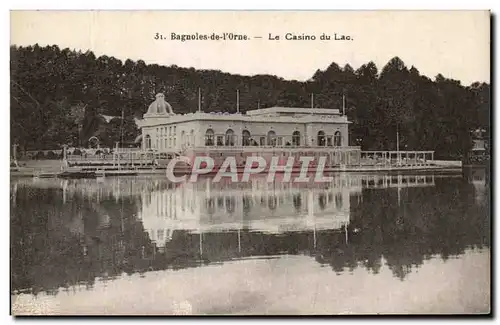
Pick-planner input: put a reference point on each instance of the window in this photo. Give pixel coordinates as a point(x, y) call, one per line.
point(148, 141)
point(321, 139)
point(272, 202)
point(297, 202)
point(245, 137)
point(183, 138)
point(338, 200)
point(229, 138)
point(220, 140)
point(322, 201)
point(210, 205)
point(329, 142)
point(271, 138)
point(191, 136)
point(337, 139)
point(160, 235)
point(209, 137)
point(247, 204)
point(230, 204)
point(296, 138)
point(262, 141)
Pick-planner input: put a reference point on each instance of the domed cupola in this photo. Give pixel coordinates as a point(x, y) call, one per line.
point(160, 107)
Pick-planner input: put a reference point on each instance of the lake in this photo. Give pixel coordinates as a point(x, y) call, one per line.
point(362, 244)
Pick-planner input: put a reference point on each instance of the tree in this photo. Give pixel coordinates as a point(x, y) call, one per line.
point(58, 96)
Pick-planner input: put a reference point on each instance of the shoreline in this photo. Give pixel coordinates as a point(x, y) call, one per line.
point(33, 172)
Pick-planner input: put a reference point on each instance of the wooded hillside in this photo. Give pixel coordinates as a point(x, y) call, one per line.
point(58, 97)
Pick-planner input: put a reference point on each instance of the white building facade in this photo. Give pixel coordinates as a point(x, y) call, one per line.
point(164, 131)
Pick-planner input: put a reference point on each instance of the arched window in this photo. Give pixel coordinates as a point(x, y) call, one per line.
point(296, 138)
point(271, 138)
point(337, 139)
point(148, 141)
point(183, 138)
point(245, 138)
point(321, 139)
point(229, 138)
point(209, 137)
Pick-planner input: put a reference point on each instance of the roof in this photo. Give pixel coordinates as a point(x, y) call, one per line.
point(156, 120)
point(293, 110)
point(160, 106)
point(108, 118)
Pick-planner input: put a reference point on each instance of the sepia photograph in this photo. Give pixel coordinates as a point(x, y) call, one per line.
point(177, 163)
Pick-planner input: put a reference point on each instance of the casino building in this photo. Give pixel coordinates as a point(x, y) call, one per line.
point(267, 131)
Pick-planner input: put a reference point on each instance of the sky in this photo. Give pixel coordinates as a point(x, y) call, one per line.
point(453, 43)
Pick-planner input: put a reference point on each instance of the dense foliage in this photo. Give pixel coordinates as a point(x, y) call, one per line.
point(59, 96)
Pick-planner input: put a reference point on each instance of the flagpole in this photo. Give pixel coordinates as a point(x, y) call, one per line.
point(199, 99)
point(397, 144)
point(343, 104)
point(237, 101)
point(121, 128)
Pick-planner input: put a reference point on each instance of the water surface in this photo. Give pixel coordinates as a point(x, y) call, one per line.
point(365, 243)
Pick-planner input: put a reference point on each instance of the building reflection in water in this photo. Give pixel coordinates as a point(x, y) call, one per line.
point(261, 206)
point(272, 208)
point(74, 231)
point(480, 179)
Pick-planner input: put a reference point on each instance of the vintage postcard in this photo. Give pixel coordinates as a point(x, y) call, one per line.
point(250, 162)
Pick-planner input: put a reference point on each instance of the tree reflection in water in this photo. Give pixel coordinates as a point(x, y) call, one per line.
point(98, 232)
